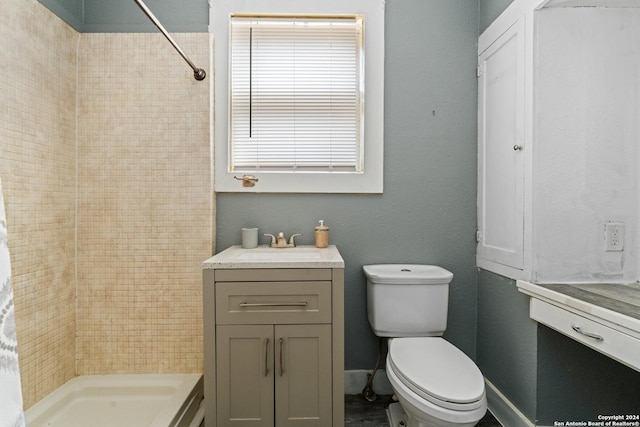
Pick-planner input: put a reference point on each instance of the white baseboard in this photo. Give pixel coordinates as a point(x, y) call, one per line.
point(503, 410)
point(355, 380)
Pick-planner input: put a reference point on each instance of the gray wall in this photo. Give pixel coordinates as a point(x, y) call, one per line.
point(428, 209)
point(124, 16)
point(488, 11)
point(577, 383)
point(70, 11)
point(507, 345)
point(184, 16)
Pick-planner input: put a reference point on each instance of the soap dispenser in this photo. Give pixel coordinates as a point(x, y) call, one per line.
point(322, 235)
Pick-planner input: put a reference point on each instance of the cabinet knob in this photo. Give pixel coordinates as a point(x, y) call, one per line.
point(517, 147)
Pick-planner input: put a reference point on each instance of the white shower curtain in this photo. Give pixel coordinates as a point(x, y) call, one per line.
point(12, 414)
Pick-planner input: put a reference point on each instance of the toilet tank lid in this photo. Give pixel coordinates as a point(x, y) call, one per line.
point(407, 274)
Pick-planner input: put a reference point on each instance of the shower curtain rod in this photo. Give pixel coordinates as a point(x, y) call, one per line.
point(198, 73)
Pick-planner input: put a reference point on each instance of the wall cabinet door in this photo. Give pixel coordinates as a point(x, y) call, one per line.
point(501, 113)
point(274, 375)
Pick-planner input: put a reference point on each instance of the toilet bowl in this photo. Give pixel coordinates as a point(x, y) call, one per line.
point(436, 384)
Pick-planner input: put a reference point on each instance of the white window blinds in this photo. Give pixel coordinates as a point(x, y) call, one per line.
point(296, 94)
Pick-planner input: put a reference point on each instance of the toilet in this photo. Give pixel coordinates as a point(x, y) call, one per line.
point(435, 383)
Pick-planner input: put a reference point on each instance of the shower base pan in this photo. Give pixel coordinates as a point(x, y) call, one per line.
point(123, 401)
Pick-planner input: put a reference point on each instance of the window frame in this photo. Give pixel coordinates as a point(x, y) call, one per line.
point(370, 179)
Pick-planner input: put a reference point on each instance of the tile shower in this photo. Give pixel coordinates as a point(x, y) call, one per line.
point(106, 171)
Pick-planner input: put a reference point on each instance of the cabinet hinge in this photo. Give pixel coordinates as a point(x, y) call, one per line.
point(478, 71)
point(478, 236)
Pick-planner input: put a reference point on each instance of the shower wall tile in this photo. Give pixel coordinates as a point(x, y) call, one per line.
point(38, 169)
point(145, 210)
point(105, 163)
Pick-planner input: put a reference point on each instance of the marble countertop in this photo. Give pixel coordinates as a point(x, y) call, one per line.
point(617, 304)
point(303, 256)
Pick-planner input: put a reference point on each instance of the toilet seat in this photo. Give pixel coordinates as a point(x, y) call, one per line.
point(437, 371)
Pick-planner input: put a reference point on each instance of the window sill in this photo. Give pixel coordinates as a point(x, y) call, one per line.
point(303, 182)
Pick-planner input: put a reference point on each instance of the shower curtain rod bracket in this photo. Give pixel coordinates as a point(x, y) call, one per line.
point(199, 74)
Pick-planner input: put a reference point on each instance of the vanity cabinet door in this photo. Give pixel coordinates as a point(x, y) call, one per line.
point(286, 368)
point(245, 375)
point(303, 375)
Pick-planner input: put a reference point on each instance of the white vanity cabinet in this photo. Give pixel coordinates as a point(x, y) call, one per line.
point(557, 140)
point(274, 337)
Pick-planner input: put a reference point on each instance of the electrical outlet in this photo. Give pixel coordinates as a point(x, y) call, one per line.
point(614, 236)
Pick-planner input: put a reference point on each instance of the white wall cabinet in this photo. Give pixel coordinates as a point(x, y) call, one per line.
point(501, 143)
point(558, 93)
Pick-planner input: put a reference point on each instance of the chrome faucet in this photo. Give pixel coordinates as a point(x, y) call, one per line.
point(281, 241)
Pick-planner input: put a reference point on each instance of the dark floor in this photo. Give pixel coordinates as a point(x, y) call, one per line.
point(361, 413)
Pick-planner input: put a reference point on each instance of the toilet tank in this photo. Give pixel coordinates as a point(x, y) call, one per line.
point(405, 300)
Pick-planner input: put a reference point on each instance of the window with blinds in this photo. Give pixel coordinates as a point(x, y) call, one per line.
point(296, 94)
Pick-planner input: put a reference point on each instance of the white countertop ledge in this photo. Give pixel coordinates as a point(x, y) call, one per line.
point(598, 312)
point(303, 256)
point(602, 316)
